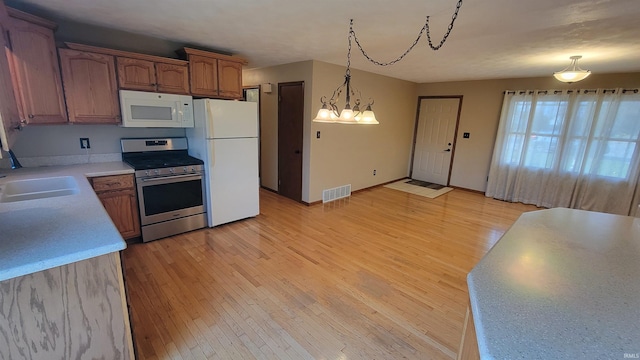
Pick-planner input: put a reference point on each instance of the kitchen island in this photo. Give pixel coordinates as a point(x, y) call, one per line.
point(61, 283)
point(560, 284)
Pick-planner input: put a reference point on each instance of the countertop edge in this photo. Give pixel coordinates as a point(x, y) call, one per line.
point(34, 246)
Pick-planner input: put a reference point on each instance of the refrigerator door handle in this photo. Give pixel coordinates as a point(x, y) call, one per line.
point(209, 119)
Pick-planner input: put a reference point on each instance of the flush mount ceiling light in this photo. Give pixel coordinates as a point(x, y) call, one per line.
point(329, 113)
point(573, 72)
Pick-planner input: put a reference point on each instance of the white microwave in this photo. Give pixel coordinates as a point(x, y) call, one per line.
point(146, 109)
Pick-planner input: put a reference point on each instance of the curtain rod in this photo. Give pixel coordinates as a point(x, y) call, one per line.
point(584, 91)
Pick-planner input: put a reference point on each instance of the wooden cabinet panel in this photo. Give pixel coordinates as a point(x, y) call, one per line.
point(172, 78)
point(136, 74)
point(204, 75)
point(118, 196)
point(74, 311)
point(36, 73)
point(229, 79)
point(90, 87)
point(115, 182)
point(9, 118)
point(122, 207)
point(468, 349)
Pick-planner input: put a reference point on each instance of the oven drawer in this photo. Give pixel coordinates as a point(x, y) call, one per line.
point(115, 182)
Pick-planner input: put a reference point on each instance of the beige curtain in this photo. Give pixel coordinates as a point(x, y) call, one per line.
point(577, 149)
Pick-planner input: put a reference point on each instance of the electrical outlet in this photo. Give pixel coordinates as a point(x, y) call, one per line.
point(84, 143)
point(374, 172)
point(318, 134)
point(465, 135)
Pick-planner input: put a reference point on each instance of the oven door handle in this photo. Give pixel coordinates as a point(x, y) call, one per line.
point(164, 178)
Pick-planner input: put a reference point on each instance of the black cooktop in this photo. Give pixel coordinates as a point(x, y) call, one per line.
point(159, 160)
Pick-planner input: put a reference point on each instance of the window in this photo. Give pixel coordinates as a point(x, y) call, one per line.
point(581, 132)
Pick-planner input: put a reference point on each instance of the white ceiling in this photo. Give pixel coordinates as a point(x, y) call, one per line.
point(490, 39)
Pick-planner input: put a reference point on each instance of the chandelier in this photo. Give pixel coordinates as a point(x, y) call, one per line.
point(573, 72)
point(330, 113)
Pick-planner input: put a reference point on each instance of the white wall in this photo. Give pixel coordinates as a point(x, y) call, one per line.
point(481, 106)
point(348, 154)
point(64, 140)
point(300, 71)
point(343, 154)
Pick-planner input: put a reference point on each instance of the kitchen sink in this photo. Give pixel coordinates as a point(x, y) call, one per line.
point(31, 189)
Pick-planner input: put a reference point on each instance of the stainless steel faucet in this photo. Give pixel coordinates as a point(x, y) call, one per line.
point(15, 164)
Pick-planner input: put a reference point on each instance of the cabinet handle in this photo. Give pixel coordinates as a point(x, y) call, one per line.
point(20, 125)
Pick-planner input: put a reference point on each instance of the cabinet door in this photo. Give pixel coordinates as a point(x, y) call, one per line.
point(122, 207)
point(90, 87)
point(9, 119)
point(136, 74)
point(172, 78)
point(34, 64)
point(229, 79)
point(204, 75)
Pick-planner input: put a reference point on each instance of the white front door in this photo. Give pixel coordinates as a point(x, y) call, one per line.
point(434, 140)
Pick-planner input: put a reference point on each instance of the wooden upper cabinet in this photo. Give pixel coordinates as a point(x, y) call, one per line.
point(172, 78)
point(136, 74)
point(145, 75)
point(90, 86)
point(204, 75)
point(9, 118)
point(229, 79)
point(215, 75)
point(34, 66)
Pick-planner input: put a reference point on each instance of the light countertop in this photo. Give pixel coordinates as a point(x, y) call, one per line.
point(44, 233)
point(560, 284)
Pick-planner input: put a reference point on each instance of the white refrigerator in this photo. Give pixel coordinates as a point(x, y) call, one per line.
point(225, 137)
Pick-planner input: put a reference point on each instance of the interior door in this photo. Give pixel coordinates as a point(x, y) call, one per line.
point(290, 134)
point(434, 139)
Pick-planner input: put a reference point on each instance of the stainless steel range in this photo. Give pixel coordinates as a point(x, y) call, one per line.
point(170, 186)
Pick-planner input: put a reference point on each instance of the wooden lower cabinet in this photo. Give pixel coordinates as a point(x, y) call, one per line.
point(469, 343)
point(118, 196)
point(74, 311)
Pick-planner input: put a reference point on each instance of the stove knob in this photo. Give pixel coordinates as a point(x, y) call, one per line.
point(193, 169)
point(184, 169)
point(146, 173)
point(172, 170)
point(157, 172)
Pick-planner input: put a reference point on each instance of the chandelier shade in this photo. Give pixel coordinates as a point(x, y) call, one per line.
point(573, 73)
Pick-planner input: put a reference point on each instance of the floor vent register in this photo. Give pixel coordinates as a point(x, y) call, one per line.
point(336, 193)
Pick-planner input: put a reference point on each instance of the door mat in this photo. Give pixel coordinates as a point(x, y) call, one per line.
point(425, 184)
point(404, 185)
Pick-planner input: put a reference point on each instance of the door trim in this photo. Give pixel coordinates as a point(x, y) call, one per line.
point(259, 88)
point(455, 133)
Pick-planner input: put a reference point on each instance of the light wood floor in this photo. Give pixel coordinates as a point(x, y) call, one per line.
point(378, 276)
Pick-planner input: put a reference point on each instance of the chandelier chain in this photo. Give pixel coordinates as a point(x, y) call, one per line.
point(425, 30)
